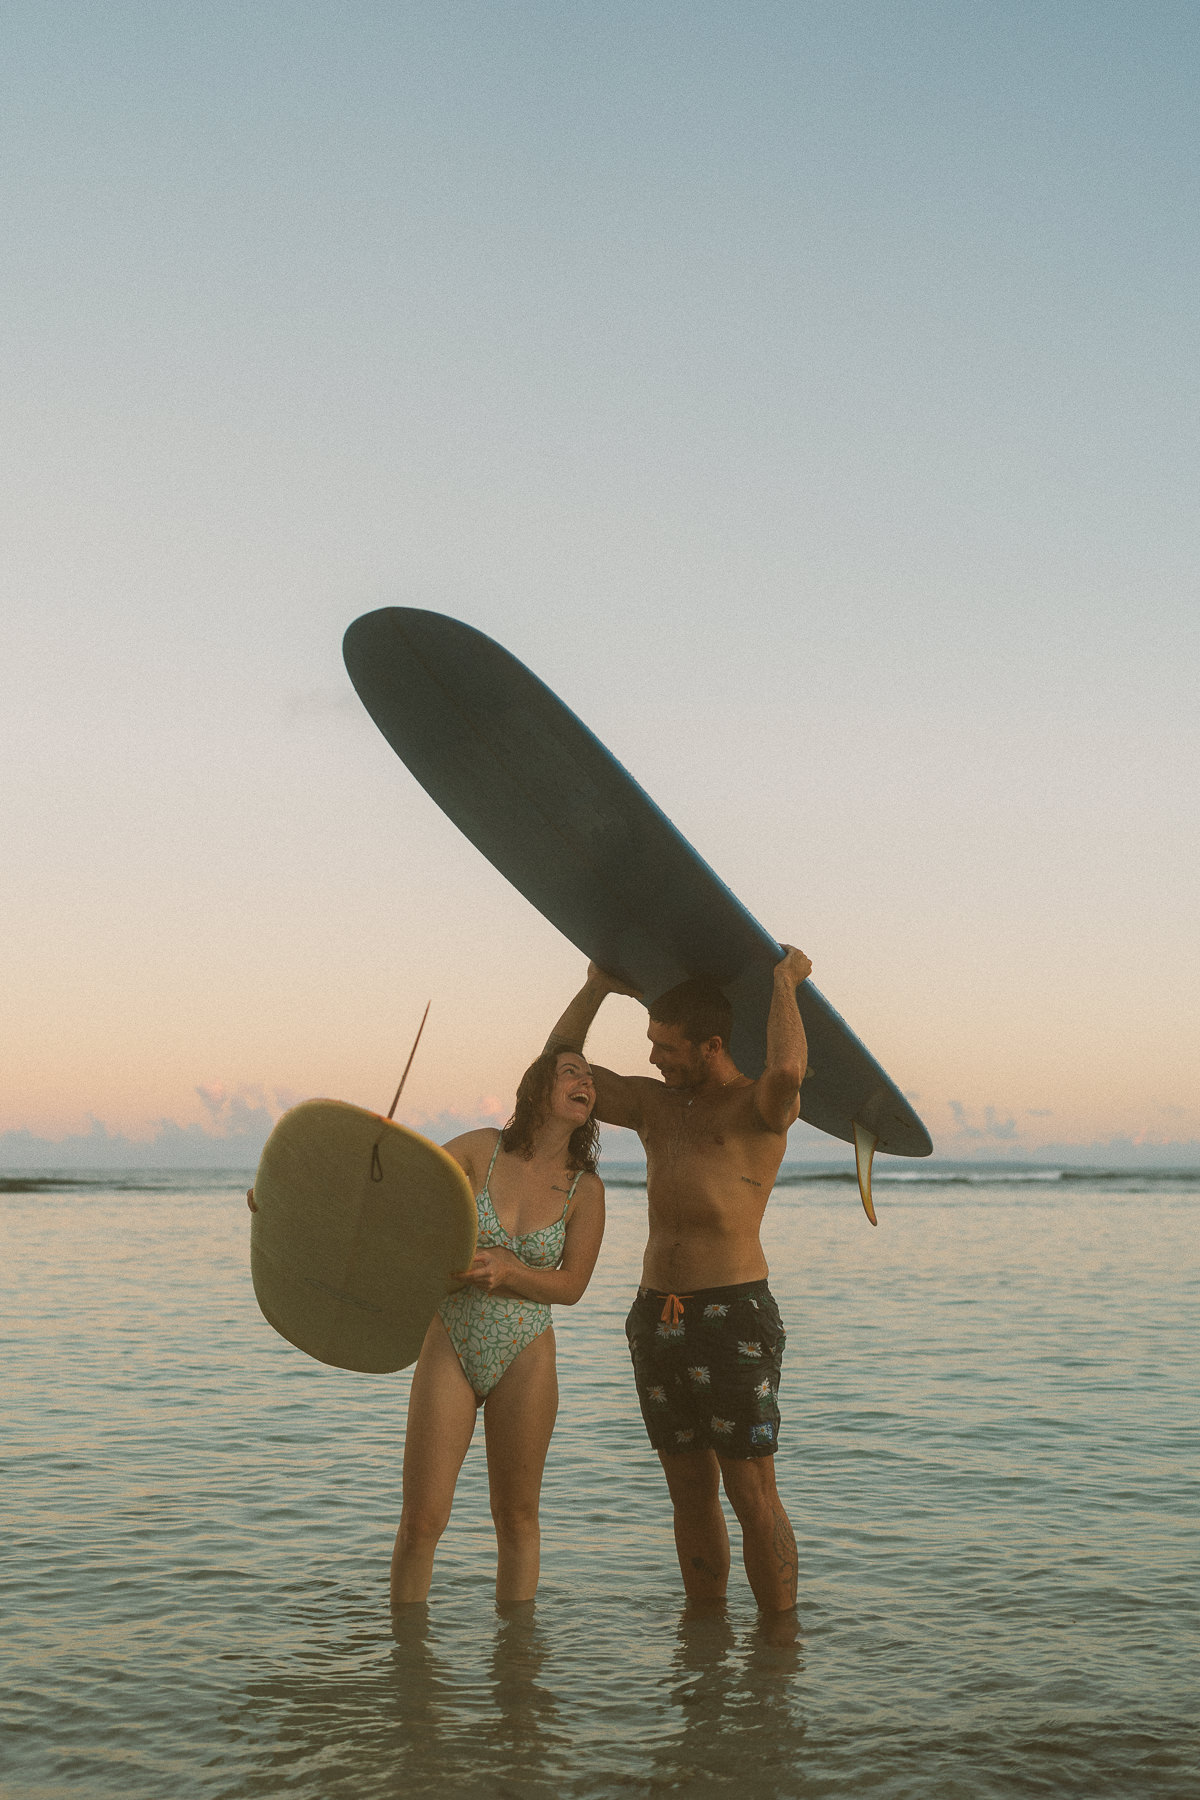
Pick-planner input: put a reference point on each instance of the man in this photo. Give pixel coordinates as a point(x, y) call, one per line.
point(704, 1332)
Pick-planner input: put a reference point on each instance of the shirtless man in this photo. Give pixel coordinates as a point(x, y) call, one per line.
point(704, 1332)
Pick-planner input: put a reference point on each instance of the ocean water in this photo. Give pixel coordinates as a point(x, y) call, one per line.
point(989, 1454)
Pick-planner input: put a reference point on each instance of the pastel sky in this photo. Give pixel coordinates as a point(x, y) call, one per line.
point(808, 393)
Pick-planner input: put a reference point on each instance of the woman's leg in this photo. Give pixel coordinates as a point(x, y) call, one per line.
point(441, 1420)
point(518, 1418)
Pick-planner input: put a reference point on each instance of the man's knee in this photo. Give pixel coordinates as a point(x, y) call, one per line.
point(693, 1482)
point(750, 1486)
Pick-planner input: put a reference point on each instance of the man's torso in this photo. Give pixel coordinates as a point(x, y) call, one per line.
point(710, 1167)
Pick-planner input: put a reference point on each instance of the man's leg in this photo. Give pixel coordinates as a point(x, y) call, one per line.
point(768, 1542)
point(701, 1540)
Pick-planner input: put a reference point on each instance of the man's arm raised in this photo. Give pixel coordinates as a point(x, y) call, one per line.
point(777, 1091)
point(616, 1097)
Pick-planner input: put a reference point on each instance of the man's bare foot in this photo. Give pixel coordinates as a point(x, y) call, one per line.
point(779, 1629)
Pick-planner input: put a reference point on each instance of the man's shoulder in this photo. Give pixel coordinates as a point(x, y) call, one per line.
point(748, 1110)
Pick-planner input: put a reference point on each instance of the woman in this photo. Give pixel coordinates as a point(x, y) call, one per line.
point(491, 1345)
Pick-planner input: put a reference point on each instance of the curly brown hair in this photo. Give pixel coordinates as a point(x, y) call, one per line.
point(532, 1109)
point(699, 1008)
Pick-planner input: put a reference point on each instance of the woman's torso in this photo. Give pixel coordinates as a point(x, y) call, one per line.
point(486, 1330)
point(538, 1249)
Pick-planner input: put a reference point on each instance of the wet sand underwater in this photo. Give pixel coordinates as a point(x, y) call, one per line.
point(989, 1455)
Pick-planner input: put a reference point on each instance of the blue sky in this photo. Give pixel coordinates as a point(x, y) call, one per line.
point(806, 392)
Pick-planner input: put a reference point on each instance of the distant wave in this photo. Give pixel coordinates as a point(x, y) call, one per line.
point(616, 1177)
point(988, 1177)
point(129, 1181)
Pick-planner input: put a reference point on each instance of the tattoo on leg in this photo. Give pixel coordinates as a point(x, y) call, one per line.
point(706, 1568)
point(784, 1545)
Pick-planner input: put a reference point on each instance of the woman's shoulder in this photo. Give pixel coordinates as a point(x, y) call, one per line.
point(588, 1187)
point(472, 1151)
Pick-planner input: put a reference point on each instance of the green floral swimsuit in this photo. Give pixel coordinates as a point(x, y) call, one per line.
point(489, 1331)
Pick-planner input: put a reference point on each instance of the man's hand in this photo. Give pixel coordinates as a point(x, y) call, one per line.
point(612, 984)
point(490, 1269)
point(250, 1200)
point(795, 965)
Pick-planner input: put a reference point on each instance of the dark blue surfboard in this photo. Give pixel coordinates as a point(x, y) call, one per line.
point(547, 804)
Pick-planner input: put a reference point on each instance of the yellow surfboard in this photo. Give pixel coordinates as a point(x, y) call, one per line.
point(360, 1230)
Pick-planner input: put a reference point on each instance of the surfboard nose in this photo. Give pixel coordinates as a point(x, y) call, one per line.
point(554, 811)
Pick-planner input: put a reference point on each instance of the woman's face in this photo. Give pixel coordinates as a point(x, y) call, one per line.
point(573, 1094)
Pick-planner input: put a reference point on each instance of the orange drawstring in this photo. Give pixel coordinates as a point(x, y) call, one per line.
point(672, 1311)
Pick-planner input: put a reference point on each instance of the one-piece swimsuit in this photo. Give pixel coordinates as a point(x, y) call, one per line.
point(489, 1331)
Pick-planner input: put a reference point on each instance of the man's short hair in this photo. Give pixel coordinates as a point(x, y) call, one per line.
point(698, 1007)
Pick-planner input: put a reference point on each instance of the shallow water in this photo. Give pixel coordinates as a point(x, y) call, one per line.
point(989, 1454)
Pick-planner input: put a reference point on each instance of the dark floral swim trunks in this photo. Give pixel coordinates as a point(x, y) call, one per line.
point(707, 1368)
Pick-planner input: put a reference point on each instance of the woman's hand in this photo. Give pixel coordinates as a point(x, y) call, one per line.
point(490, 1269)
point(611, 984)
point(250, 1201)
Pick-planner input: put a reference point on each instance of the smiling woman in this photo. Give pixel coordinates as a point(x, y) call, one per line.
point(491, 1346)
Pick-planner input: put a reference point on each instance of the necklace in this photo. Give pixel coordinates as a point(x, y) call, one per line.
point(724, 1085)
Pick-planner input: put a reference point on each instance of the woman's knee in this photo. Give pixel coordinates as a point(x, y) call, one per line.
point(515, 1519)
point(422, 1523)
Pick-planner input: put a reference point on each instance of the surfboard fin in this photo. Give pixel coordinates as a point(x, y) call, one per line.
point(864, 1150)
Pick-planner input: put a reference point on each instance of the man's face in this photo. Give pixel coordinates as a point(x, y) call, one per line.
point(680, 1062)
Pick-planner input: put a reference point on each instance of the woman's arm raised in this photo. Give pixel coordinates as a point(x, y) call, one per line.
point(617, 1098)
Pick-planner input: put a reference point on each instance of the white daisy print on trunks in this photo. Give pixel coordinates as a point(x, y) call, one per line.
point(715, 1311)
point(684, 1437)
point(657, 1396)
point(722, 1427)
point(699, 1377)
point(749, 1351)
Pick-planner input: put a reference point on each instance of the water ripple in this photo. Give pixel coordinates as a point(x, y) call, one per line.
point(989, 1452)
